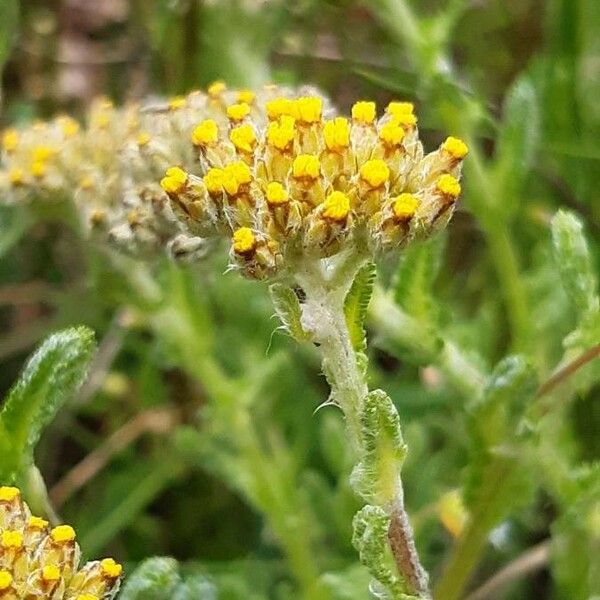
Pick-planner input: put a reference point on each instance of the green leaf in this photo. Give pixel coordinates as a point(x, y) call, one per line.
point(518, 141)
point(195, 588)
point(495, 420)
point(49, 379)
point(288, 309)
point(356, 304)
point(419, 266)
point(158, 578)
point(370, 538)
point(376, 476)
point(574, 262)
point(496, 415)
point(155, 579)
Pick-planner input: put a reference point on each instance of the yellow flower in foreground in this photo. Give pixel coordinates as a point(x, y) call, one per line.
point(37, 561)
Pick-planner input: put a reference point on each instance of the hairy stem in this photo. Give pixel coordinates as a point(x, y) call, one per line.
point(324, 317)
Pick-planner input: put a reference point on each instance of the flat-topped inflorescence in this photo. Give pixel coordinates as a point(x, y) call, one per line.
point(42, 562)
point(276, 168)
point(285, 180)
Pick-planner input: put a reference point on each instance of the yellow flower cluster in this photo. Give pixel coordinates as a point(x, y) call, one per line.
point(285, 179)
point(112, 164)
point(276, 172)
point(40, 562)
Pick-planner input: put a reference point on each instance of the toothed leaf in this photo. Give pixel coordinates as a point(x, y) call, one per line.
point(356, 304)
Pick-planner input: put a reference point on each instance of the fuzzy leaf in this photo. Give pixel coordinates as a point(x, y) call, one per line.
point(287, 307)
point(51, 376)
point(416, 274)
point(518, 140)
point(496, 415)
point(375, 477)
point(156, 578)
point(370, 526)
point(356, 304)
point(195, 588)
point(574, 262)
point(494, 426)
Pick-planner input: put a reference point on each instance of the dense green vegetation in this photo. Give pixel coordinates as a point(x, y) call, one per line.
point(196, 434)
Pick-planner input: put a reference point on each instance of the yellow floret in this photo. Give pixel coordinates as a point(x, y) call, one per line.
point(216, 88)
point(41, 153)
point(238, 112)
point(276, 194)
point(278, 107)
point(306, 166)
point(62, 534)
point(11, 539)
point(307, 109)
point(86, 183)
point(405, 206)
point(174, 181)
point(37, 523)
point(8, 493)
point(69, 126)
point(243, 138)
point(246, 96)
point(110, 568)
point(10, 140)
point(230, 178)
point(391, 134)
point(455, 147)
point(6, 580)
point(244, 240)
point(213, 180)
point(405, 120)
point(448, 186)
point(102, 121)
point(50, 573)
point(38, 169)
point(400, 108)
point(281, 134)
point(16, 176)
point(143, 139)
point(87, 597)
point(241, 171)
point(336, 206)
point(205, 133)
point(177, 102)
point(364, 112)
point(337, 134)
point(375, 172)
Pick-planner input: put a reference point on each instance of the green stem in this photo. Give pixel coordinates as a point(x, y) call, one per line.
point(484, 199)
point(399, 331)
point(324, 314)
point(324, 317)
point(504, 256)
point(485, 515)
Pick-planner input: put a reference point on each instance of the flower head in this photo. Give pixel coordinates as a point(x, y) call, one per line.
point(274, 171)
point(37, 561)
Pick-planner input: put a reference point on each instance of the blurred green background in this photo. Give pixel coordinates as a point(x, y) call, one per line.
point(154, 456)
